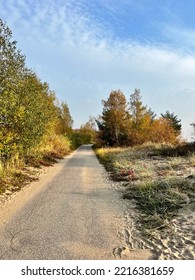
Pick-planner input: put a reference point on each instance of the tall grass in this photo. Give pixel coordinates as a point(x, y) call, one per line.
point(15, 174)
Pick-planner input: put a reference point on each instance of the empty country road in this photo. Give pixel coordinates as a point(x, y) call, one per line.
point(71, 213)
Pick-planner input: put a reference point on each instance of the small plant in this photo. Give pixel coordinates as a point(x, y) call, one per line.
point(158, 202)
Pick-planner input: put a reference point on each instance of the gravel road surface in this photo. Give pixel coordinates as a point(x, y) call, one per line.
point(73, 212)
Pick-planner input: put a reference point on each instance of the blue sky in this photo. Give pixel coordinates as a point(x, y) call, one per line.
point(85, 49)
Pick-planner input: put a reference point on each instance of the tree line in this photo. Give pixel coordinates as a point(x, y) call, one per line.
point(31, 117)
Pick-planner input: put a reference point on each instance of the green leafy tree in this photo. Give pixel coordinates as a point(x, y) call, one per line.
point(12, 67)
point(36, 102)
point(173, 120)
point(65, 120)
point(151, 114)
point(12, 62)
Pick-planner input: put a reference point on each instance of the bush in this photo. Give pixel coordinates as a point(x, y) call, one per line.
point(60, 145)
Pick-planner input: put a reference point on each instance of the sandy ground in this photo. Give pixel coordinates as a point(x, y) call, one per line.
point(177, 242)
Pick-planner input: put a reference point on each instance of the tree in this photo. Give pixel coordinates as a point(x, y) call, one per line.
point(12, 62)
point(86, 134)
point(173, 120)
point(152, 114)
point(39, 111)
point(141, 119)
point(137, 110)
point(65, 120)
point(89, 131)
point(114, 119)
point(12, 68)
point(162, 132)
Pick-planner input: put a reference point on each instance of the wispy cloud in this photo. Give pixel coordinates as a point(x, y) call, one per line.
point(183, 38)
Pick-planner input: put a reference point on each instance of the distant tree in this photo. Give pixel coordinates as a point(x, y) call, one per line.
point(174, 121)
point(113, 124)
point(86, 134)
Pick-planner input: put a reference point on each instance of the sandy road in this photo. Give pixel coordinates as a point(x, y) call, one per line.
point(72, 213)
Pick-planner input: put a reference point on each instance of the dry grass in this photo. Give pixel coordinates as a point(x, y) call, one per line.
point(146, 162)
point(17, 179)
point(18, 170)
point(156, 176)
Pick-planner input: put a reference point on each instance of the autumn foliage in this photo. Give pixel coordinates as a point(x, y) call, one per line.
point(31, 118)
point(124, 123)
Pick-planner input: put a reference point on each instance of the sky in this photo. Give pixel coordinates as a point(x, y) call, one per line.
point(85, 49)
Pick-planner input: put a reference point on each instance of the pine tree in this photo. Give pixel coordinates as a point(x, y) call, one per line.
point(173, 120)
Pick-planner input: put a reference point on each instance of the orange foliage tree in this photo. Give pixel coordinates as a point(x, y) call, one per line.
point(133, 123)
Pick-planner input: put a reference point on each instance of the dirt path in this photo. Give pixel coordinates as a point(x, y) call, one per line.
point(72, 212)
